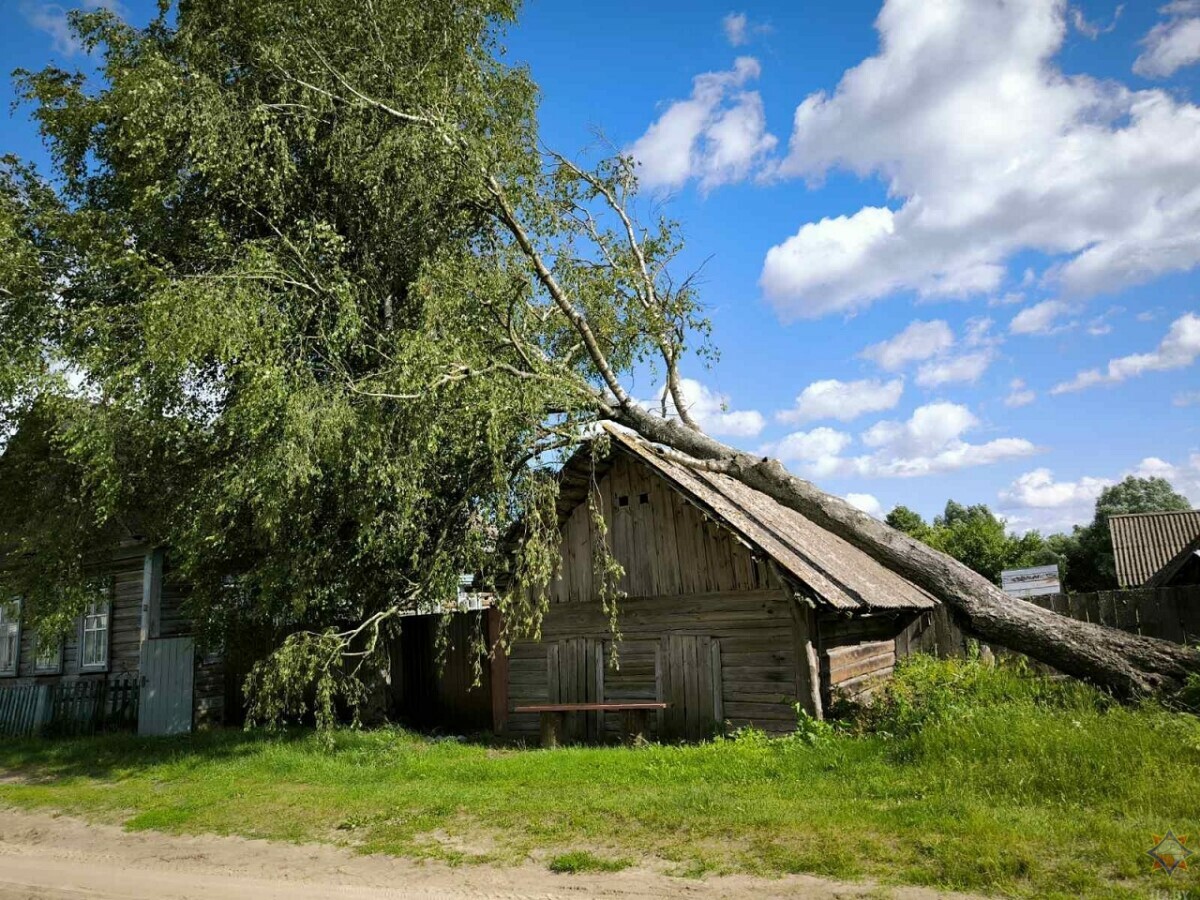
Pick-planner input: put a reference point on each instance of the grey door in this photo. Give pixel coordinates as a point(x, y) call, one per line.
point(690, 681)
point(165, 704)
point(575, 670)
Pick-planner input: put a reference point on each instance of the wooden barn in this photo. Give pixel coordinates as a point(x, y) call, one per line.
point(130, 662)
point(736, 608)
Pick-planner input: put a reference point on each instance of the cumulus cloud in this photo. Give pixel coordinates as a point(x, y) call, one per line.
point(817, 452)
point(867, 503)
point(1019, 394)
point(1177, 350)
point(957, 369)
point(987, 149)
point(1184, 477)
point(917, 342)
point(929, 442)
point(843, 400)
point(1172, 44)
point(718, 135)
point(712, 411)
point(1041, 318)
point(1036, 500)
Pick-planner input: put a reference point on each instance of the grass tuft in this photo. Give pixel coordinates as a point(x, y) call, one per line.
point(583, 861)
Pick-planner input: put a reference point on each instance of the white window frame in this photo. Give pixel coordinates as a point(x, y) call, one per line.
point(97, 610)
point(54, 668)
point(10, 627)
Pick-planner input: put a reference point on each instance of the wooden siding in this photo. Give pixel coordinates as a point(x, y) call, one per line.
point(667, 546)
point(126, 578)
point(757, 656)
point(425, 694)
point(858, 654)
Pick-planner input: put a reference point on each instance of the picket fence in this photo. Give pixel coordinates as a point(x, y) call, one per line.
point(69, 708)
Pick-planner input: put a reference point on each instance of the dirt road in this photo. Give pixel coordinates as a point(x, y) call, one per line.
point(46, 856)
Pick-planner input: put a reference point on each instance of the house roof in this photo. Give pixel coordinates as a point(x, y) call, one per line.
point(833, 571)
point(1167, 574)
point(1146, 543)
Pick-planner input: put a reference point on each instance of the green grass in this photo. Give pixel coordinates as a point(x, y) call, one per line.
point(991, 781)
point(584, 861)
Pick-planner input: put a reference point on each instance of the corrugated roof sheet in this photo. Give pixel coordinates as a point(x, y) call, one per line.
point(1143, 543)
point(835, 571)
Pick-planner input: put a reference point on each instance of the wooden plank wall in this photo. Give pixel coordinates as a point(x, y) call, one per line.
point(857, 654)
point(666, 545)
point(757, 657)
point(425, 695)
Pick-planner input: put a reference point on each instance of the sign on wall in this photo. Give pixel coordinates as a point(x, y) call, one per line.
point(1035, 582)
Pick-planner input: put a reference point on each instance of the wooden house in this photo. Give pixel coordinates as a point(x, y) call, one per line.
point(736, 608)
point(130, 662)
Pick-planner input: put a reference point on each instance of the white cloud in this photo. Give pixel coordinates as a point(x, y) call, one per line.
point(1036, 500)
point(1177, 350)
point(713, 413)
point(818, 451)
point(1091, 29)
point(1041, 318)
point(928, 442)
point(843, 400)
point(979, 333)
point(987, 149)
point(867, 503)
point(919, 341)
point(1186, 398)
point(717, 136)
point(931, 441)
point(958, 369)
point(1019, 394)
point(740, 30)
point(51, 18)
point(1185, 477)
point(1172, 44)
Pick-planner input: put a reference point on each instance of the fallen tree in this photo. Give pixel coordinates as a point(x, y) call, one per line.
point(340, 309)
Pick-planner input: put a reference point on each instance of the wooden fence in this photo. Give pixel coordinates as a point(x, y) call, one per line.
point(1172, 614)
point(70, 708)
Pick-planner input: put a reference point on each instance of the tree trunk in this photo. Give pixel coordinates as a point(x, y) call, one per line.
point(1128, 665)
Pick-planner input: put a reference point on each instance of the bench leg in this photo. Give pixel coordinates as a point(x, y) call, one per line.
point(552, 727)
point(636, 726)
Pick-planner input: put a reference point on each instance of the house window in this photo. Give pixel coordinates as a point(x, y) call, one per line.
point(93, 639)
point(48, 657)
point(10, 637)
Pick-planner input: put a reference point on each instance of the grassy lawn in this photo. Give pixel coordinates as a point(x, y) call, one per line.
point(969, 778)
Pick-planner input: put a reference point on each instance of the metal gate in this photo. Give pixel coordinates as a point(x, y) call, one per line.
point(168, 667)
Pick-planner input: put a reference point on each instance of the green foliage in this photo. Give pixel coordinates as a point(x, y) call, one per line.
point(994, 781)
point(976, 537)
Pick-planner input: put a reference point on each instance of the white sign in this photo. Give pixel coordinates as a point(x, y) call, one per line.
point(1033, 582)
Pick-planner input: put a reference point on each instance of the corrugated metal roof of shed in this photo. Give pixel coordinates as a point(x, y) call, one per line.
point(1145, 542)
point(837, 572)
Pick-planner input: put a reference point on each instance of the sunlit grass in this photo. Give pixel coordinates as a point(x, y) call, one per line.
point(984, 780)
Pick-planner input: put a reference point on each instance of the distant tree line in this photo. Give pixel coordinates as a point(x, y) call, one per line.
point(980, 539)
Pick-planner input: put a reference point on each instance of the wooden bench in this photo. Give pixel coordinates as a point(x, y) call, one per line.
point(635, 719)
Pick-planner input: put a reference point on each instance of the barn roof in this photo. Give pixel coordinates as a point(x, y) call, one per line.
point(835, 572)
point(1145, 543)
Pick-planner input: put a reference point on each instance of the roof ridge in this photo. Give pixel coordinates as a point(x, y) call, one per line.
point(1164, 512)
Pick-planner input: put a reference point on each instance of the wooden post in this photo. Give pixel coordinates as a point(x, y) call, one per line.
point(152, 578)
point(808, 664)
point(499, 664)
point(552, 723)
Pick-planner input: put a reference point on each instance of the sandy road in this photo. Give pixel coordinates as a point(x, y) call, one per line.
point(59, 858)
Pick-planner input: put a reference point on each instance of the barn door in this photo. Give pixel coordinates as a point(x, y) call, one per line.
point(575, 672)
point(165, 701)
point(690, 681)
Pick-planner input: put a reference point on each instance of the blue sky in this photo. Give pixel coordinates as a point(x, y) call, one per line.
point(951, 245)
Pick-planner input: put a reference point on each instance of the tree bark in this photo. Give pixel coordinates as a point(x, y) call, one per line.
point(1126, 664)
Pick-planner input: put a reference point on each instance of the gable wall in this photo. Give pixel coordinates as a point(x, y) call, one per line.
point(666, 545)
